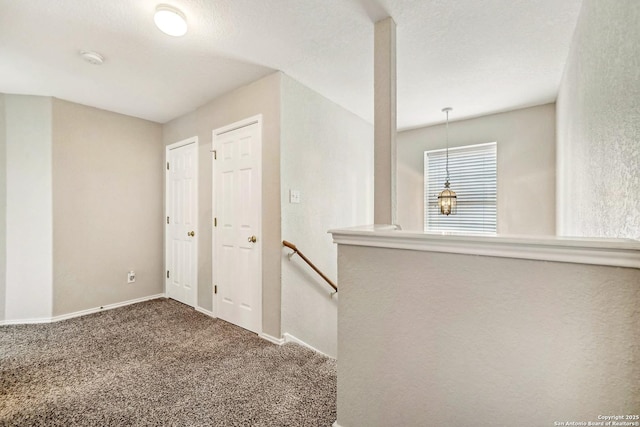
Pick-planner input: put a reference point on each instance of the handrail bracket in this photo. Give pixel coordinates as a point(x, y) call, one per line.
point(309, 263)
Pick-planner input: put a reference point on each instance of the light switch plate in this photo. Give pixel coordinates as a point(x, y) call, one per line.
point(294, 196)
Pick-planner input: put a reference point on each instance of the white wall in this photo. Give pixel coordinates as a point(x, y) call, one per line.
point(29, 249)
point(435, 339)
point(526, 167)
point(599, 124)
point(327, 155)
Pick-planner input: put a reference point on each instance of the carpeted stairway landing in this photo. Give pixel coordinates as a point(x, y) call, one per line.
point(159, 363)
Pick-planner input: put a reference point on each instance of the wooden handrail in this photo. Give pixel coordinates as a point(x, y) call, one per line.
point(305, 259)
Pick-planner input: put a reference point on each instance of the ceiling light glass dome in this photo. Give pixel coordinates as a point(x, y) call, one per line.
point(170, 20)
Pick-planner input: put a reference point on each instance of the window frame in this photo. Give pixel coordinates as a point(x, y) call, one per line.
point(430, 199)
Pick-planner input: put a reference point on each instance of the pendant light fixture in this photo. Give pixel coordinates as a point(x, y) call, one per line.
point(447, 198)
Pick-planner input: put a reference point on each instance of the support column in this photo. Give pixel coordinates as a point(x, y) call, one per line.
point(384, 75)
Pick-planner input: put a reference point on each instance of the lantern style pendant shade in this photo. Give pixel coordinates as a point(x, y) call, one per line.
point(447, 199)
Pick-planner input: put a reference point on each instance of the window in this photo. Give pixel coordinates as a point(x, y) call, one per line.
point(473, 176)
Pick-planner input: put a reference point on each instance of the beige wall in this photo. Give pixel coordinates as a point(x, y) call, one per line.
point(433, 339)
point(526, 167)
point(3, 207)
point(260, 97)
point(599, 124)
point(107, 207)
point(327, 155)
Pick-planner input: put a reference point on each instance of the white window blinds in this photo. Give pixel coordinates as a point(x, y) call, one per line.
point(473, 176)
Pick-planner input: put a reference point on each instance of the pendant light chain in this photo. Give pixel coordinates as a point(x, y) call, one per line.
point(447, 167)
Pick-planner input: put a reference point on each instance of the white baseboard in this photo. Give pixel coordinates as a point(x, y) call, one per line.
point(105, 307)
point(277, 341)
point(287, 337)
point(25, 321)
point(81, 312)
point(207, 312)
point(290, 338)
point(335, 424)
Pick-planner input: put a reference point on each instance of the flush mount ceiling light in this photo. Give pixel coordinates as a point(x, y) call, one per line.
point(447, 198)
point(92, 57)
point(170, 20)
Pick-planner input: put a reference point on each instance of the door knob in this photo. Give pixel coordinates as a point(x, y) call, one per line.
point(252, 239)
point(191, 233)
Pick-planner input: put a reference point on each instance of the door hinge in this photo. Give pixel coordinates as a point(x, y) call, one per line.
point(167, 220)
point(167, 165)
point(215, 222)
point(215, 155)
point(215, 289)
point(167, 274)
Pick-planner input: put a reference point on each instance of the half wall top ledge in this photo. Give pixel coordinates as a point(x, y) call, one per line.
point(596, 251)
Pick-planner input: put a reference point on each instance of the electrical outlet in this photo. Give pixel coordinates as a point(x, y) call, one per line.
point(131, 276)
point(294, 196)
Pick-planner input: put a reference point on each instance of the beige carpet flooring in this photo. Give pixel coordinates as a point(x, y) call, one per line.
point(159, 363)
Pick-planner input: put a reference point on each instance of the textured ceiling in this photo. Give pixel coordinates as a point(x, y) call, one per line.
point(477, 56)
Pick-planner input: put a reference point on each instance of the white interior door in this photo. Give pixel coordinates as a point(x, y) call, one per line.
point(237, 237)
point(182, 214)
